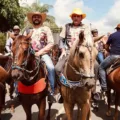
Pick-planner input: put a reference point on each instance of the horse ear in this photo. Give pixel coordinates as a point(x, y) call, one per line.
point(81, 37)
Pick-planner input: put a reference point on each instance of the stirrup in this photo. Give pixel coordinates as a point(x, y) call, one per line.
point(51, 98)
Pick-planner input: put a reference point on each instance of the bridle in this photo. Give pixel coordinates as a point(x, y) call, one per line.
point(23, 66)
point(80, 73)
point(80, 83)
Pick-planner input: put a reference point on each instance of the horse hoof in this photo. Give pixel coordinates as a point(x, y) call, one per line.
point(108, 114)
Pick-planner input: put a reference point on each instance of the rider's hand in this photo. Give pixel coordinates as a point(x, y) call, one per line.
point(62, 55)
point(37, 54)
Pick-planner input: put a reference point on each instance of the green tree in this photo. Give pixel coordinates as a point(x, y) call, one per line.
point(10, 14)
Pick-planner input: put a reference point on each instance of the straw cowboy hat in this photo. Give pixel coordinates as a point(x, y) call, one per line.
point(117, 27)
point(78, 12)
point(29, 16)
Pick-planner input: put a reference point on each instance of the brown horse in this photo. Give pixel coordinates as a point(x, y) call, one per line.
point(31, 74)
point(113, 80)
point(5, 77)
point(79, 73)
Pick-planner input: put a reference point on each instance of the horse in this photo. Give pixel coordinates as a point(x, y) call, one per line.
point(79, 77)
point(5, 77)
point(113, 82)
point(31, 74)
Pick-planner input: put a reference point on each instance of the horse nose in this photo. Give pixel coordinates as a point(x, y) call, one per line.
point(15, 75)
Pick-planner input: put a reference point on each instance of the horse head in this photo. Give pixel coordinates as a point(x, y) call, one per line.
point(22, 56)
point(82, 57)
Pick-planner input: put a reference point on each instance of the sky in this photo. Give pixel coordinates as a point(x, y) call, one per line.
point(103, 15)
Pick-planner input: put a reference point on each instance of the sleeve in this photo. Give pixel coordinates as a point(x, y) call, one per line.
point(63, 32)
point(62, 37)
point(8, 44)
point(49, 36)
point(109, 41)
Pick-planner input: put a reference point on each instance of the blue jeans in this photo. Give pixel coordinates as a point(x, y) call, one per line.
point(100, 57)
point(102, 69)
point(51, 71)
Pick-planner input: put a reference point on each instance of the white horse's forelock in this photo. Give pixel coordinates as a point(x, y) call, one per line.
point(88, 39)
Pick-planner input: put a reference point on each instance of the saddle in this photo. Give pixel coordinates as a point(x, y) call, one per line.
point(114, 66)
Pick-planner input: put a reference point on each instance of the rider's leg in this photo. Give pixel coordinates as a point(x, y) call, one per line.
point(51, 71)
point(100, 57)
point(103, 66)
point(60, 64)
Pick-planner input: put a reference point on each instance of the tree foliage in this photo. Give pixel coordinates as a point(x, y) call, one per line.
point(10, 14)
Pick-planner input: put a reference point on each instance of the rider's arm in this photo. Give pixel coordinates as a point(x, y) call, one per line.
point(109, 41)
point(50, 43)
point(62, 43)
point(8, 45)
point(98, 38)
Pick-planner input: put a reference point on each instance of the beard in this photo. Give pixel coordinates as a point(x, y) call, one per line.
point(36, 22)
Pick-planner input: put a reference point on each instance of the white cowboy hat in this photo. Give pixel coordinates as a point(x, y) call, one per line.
point(16, 27)
point(78, 12)
point(29, 16)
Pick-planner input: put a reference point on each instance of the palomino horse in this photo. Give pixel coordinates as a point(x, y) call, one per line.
point(30, 73)
point(113, 80)
point(79, 73)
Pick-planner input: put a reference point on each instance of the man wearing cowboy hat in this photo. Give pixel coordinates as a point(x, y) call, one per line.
point(113, 48)
point(42, 49)
point(67, 37)
point(11, 37)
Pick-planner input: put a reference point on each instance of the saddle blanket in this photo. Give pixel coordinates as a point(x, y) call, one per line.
point(37, 87)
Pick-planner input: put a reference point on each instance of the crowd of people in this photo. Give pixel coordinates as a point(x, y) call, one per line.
point(108, 46)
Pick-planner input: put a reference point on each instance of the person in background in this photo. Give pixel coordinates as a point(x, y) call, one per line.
point(99, 45)
point(11, 36)
point(113, 48)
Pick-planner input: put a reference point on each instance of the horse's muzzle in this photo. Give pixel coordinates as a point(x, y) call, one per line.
point(17, 75)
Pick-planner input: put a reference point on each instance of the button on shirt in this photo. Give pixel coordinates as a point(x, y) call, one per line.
point(37, 42)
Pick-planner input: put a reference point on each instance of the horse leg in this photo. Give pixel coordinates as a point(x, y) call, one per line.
point(49, 110)
point(108, 113)
point(69, 110)
point(42, 105)
point(27, 109)
point(0, 112)
point(117, 97)
point(11, 90)
point(85, 110)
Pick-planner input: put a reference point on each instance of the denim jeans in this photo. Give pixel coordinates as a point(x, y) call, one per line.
point(51, 71)
point(100, 57)
point(102, 69)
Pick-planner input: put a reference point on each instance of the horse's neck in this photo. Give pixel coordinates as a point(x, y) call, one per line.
point(70, 69)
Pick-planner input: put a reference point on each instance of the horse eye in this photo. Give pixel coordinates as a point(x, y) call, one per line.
point(81, 55)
